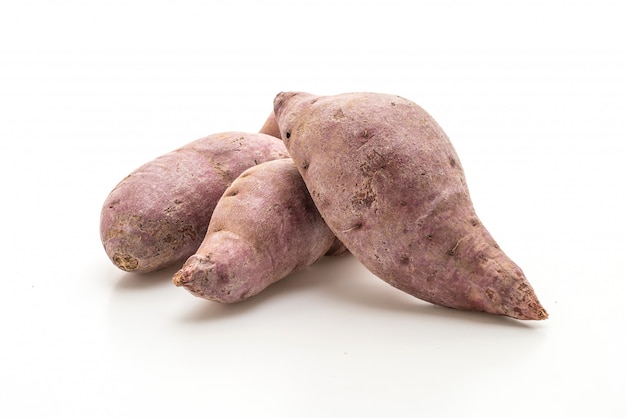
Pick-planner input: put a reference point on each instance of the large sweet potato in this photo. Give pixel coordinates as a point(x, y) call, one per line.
point(390, 185)
point(158, 215)
point(263, 228)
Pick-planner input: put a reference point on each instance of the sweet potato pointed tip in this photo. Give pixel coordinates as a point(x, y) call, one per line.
point(530, 314)
point(526, 307)
point(537, 313)
point(542, 314)
point(179, 279)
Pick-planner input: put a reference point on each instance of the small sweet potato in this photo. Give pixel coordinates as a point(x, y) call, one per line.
point(388, 182)
point(158, 215)
point(263, 228)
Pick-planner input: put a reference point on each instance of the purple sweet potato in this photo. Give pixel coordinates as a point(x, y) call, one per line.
point(158, 215)
point(264, 228)
point(389, 184)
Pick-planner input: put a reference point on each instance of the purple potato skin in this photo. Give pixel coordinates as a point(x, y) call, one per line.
point(264, 228)
point(388, 182)
point(158, 215)
point(270, 127)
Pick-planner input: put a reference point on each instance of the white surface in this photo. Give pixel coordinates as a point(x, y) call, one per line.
point(531, 93)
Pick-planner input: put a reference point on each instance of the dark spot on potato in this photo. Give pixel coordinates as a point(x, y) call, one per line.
point(187, 232)
point(474, 222)
point(339, 114)
point(452, 162)
point(233, 193)
point(430, 237)
point(490, 293)
point(374, 161)
point(288, 135)
point(367, 133)
point(393, 104)
point(357, 225)
point(305, 165)
point(364, 198)
point(404, 259)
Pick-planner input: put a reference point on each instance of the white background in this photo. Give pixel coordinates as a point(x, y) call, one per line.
point(531, 93)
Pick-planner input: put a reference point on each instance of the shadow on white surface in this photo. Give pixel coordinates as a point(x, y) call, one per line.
point(332, 283)
point(130, 282)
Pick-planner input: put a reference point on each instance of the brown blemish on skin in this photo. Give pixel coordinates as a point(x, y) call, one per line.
point(542, 314)
point(374, 161)
point(452, 251)
point(357, 225)
point(125, 262)
point(226, 176)
point(367, 133)
point(364, 197)
point(339, 114)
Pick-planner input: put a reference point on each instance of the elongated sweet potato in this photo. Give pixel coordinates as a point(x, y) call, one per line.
point(263, 228)
point(158, 215)
point(390, 185)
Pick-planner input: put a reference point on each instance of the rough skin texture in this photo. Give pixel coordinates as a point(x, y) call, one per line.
point(263, 228)
point(390, 185)
point(270, 127)
point(158, 215)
